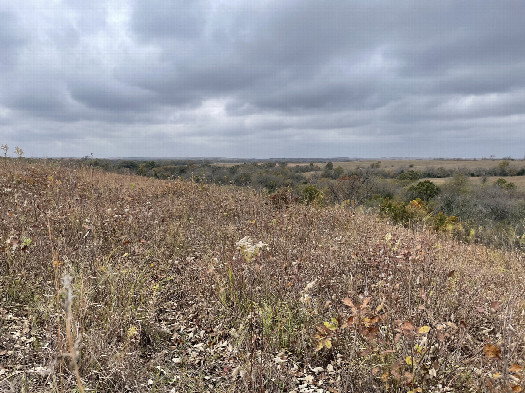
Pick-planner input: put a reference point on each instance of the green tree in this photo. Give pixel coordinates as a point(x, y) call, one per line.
point(424, 190)
point(409, 175)
point(503, 168)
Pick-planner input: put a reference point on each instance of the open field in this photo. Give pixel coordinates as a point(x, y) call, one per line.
point(118, 283)
point(519, 181)
point(420, 165)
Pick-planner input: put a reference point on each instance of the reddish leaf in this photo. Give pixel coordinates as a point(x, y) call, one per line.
point(492, 351)
point(371, 332)
point(407, 327)
point(494, 305)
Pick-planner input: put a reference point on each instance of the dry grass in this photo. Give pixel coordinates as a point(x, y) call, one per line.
point(164, 300)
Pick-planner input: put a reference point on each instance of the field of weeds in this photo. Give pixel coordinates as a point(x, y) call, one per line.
point(113, 283)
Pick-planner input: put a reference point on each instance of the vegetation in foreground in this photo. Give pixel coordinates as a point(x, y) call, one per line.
point(114, 283)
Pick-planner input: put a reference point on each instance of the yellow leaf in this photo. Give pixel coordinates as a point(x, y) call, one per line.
point(332, 325)
point(408, 360)
point(423, 329)
point(370, 321)
point(132, 331)
point(496, 375)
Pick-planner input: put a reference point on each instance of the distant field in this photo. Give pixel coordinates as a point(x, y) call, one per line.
point(518, 180)
point(421, 164)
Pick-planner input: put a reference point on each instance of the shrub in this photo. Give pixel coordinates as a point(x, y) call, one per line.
point(504, 184)
point(424, 190)
point(409, 175)
point(311, 194)
point(396, 211)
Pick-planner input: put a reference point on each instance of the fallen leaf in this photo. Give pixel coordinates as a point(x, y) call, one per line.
point(407, 327)
point(348, 302)
point(423, 329)
point(492, 351)
point(365, 303)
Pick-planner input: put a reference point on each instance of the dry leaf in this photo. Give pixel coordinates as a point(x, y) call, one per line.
point(407, 327)
point(365, 303)
point(492, 351)
point(348, 302)
point(371, 321)
point(515, 368)
point(494, 305)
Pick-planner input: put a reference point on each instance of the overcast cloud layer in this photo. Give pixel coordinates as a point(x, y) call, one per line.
point(294, 78)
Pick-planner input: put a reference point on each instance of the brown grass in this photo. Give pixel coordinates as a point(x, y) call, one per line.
point(164, 300)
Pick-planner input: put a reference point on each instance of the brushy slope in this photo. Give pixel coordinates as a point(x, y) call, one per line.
point(165, 297)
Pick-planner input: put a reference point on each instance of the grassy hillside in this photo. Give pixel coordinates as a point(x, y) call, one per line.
point(114, 283)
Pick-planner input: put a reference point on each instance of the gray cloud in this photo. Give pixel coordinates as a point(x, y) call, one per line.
point(11, 39)
point(273, 78)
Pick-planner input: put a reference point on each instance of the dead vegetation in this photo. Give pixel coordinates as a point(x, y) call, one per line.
point(143, 285)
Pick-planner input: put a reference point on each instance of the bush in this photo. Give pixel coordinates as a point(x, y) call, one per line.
point(396, 211)
point(310, 194)
point(409, 175)
point(505, 185)
point(424, 190)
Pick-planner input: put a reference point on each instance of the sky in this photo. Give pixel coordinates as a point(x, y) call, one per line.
point(262, 79)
